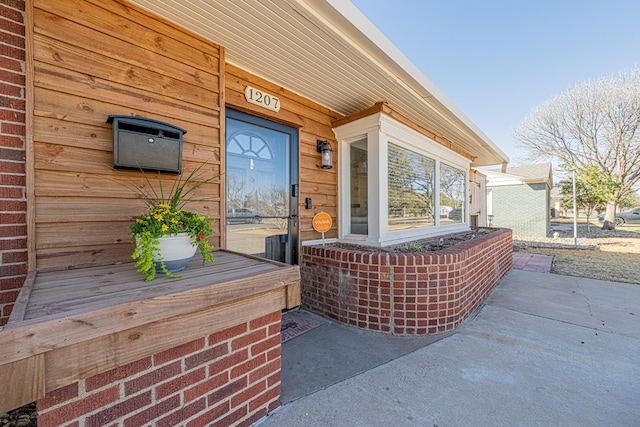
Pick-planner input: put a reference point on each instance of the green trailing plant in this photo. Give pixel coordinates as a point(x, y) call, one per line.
point(165, 216)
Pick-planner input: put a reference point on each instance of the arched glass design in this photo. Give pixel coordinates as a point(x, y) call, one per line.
point(249, 144)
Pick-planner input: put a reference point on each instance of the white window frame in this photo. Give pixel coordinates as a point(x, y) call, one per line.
point(379, 130)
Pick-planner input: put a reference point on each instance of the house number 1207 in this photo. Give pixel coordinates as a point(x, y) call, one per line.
point(262, 99)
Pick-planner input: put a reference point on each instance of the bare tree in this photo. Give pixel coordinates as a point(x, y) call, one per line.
point(452, 185)
point(411, 183)
point(275, 202)
point(592, 123)
point(235, 195)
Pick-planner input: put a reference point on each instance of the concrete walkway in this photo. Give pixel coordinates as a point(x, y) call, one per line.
point(545, 350)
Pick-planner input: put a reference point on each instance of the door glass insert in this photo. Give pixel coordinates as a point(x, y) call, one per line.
point(259, 183)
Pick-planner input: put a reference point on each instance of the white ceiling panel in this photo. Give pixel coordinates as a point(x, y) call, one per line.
point(327, 51)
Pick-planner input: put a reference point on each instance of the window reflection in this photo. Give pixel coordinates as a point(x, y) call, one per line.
point(452, 194)
point(411, 189)
point(359, 187)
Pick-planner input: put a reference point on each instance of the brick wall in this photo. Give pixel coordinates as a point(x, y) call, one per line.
point(13, 229)
point(228, 378)
point(524, 208)
point(404, 293)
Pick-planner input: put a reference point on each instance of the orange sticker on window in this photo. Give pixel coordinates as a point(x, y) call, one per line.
point(322, 222)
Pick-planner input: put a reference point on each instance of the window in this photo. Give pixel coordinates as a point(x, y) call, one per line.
point(359, 187)
point(397, 185)
point(411, 189)
point(452, 193)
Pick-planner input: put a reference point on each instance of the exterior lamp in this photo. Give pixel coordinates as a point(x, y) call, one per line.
point(325, 148)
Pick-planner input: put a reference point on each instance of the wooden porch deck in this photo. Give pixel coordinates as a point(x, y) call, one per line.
point(72, 324)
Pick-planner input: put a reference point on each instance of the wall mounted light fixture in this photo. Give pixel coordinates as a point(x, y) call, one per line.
point(325, 148)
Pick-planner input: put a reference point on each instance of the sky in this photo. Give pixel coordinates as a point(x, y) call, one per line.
point(499, 59)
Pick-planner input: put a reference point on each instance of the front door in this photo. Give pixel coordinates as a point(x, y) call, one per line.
point(262, 187)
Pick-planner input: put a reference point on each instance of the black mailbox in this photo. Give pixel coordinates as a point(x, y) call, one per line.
point(141, 143)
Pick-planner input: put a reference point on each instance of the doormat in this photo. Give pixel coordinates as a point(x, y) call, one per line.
point(296, 323)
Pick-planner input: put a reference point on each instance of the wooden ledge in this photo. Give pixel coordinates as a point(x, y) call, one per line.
point(78, 323)
point(20, 306)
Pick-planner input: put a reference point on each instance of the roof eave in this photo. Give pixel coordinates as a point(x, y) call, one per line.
point(349, 44)
point(373, 41)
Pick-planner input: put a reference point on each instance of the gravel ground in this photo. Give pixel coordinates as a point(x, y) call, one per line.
point(587, 239)
point(600, 254)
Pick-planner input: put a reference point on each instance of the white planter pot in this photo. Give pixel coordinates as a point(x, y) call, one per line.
point(176, 252)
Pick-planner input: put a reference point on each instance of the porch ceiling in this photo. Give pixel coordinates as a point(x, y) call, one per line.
point(329, 52)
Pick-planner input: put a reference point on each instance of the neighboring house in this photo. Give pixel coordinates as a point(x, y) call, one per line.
point(300, 107)
point(520, 199)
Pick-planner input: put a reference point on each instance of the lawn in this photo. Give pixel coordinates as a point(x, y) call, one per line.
point(616, 255)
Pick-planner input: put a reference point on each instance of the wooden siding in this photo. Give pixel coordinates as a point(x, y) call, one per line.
point(93, 59)
point(97, 58)
point(313, 122)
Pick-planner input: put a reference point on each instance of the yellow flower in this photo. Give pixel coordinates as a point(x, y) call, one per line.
point(165, 227)
point(174, 221)
point(158, 217)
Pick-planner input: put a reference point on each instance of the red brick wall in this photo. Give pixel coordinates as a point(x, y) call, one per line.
point(13, 229)
point(404, 293)
point(228, 378)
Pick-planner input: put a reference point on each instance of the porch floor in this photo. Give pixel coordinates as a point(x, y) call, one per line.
point(72, 324)
point(62, 293)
